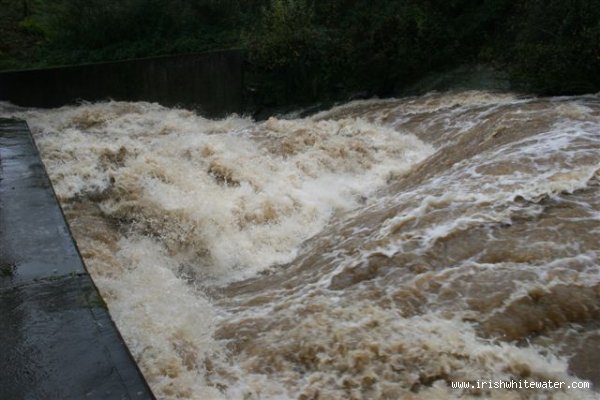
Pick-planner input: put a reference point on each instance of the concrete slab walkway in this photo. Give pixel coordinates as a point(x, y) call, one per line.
point(57, 340)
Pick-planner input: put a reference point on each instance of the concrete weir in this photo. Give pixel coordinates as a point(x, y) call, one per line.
point(57, 339)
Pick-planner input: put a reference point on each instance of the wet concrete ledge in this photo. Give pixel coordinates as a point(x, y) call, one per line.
point(57, 340)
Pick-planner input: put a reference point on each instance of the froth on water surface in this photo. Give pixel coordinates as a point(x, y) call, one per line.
point(379, 250)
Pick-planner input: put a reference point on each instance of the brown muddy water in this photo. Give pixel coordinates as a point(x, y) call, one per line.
point(379, 250)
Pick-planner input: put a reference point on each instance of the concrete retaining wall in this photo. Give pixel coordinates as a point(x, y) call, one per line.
point(210, 83)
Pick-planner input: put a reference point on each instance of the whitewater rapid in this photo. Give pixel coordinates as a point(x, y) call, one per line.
point(382, 249)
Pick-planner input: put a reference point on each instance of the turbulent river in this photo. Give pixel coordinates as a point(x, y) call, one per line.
point(383, 249)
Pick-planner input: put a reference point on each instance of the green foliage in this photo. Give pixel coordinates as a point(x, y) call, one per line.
point(557, 46)
point(310, 50)
point(285, 35)
point(103, 30)
point(287, 47)
point(379, 46)
point(21, 33)
point(32, 26)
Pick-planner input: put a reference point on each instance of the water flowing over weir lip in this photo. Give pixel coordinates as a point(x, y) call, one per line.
point(382, 249)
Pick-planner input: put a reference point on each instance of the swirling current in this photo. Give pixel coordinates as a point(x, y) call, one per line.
point(382, 249)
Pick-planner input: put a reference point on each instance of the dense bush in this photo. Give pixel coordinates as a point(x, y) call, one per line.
point(556, 46)
point(307, 50)
point(288, 50)
point(373, 46)
point(80, 31)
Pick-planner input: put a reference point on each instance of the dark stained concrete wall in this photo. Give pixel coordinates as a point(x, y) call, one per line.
point(57, 340)
point(210, 83)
